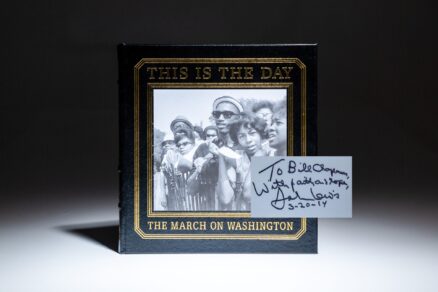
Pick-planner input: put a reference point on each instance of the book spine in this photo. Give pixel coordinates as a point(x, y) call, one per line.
point(121, 165)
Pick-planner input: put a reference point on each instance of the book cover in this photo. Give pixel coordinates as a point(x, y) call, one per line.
point(191, 119)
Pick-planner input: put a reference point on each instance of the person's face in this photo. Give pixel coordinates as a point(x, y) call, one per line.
point(249, 139)
point(224, 114)
point(265, 114)
point(277, 132)
point(210, 135)
point(184, 145)
point(179, 128)
point(167, 145)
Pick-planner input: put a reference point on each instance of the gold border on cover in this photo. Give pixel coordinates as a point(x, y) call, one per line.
point(149, 139)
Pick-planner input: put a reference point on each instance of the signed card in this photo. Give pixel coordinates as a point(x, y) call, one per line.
point(319, 187)
point(192, 118)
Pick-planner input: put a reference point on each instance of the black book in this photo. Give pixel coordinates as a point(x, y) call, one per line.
point(191, 119)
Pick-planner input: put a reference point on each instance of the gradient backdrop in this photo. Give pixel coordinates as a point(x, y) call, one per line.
point(59, 142)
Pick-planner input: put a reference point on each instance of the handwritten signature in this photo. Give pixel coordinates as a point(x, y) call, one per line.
point(287, 192)
point(280, 199)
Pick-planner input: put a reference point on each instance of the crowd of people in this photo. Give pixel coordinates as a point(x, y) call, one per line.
point(209, 169)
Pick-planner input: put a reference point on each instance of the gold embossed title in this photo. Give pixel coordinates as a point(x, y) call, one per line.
point(220, 72)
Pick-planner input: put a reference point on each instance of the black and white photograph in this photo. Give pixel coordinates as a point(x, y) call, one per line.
point(204, 140)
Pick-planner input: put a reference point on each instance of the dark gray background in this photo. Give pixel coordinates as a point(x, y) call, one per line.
point(377, 93)
point(59, 111)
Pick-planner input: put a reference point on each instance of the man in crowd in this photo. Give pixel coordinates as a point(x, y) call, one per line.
point(210, 133)
point(160, 200)
point(226, 110)
point(181, 125)
point(264, 110)
point(167, 144)
point(198, 133)
point(277, 132)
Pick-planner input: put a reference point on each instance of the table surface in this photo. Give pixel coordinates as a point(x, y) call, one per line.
point(69, 245)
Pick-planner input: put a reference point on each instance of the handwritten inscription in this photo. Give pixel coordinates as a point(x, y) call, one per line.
point(287, 186)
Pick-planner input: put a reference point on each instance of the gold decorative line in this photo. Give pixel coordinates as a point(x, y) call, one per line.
point(137, 227)
point(290, 120)
point(217, 60)
point(136, 151)
point(215, 85)
point(295, 236)
point(303, 111)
